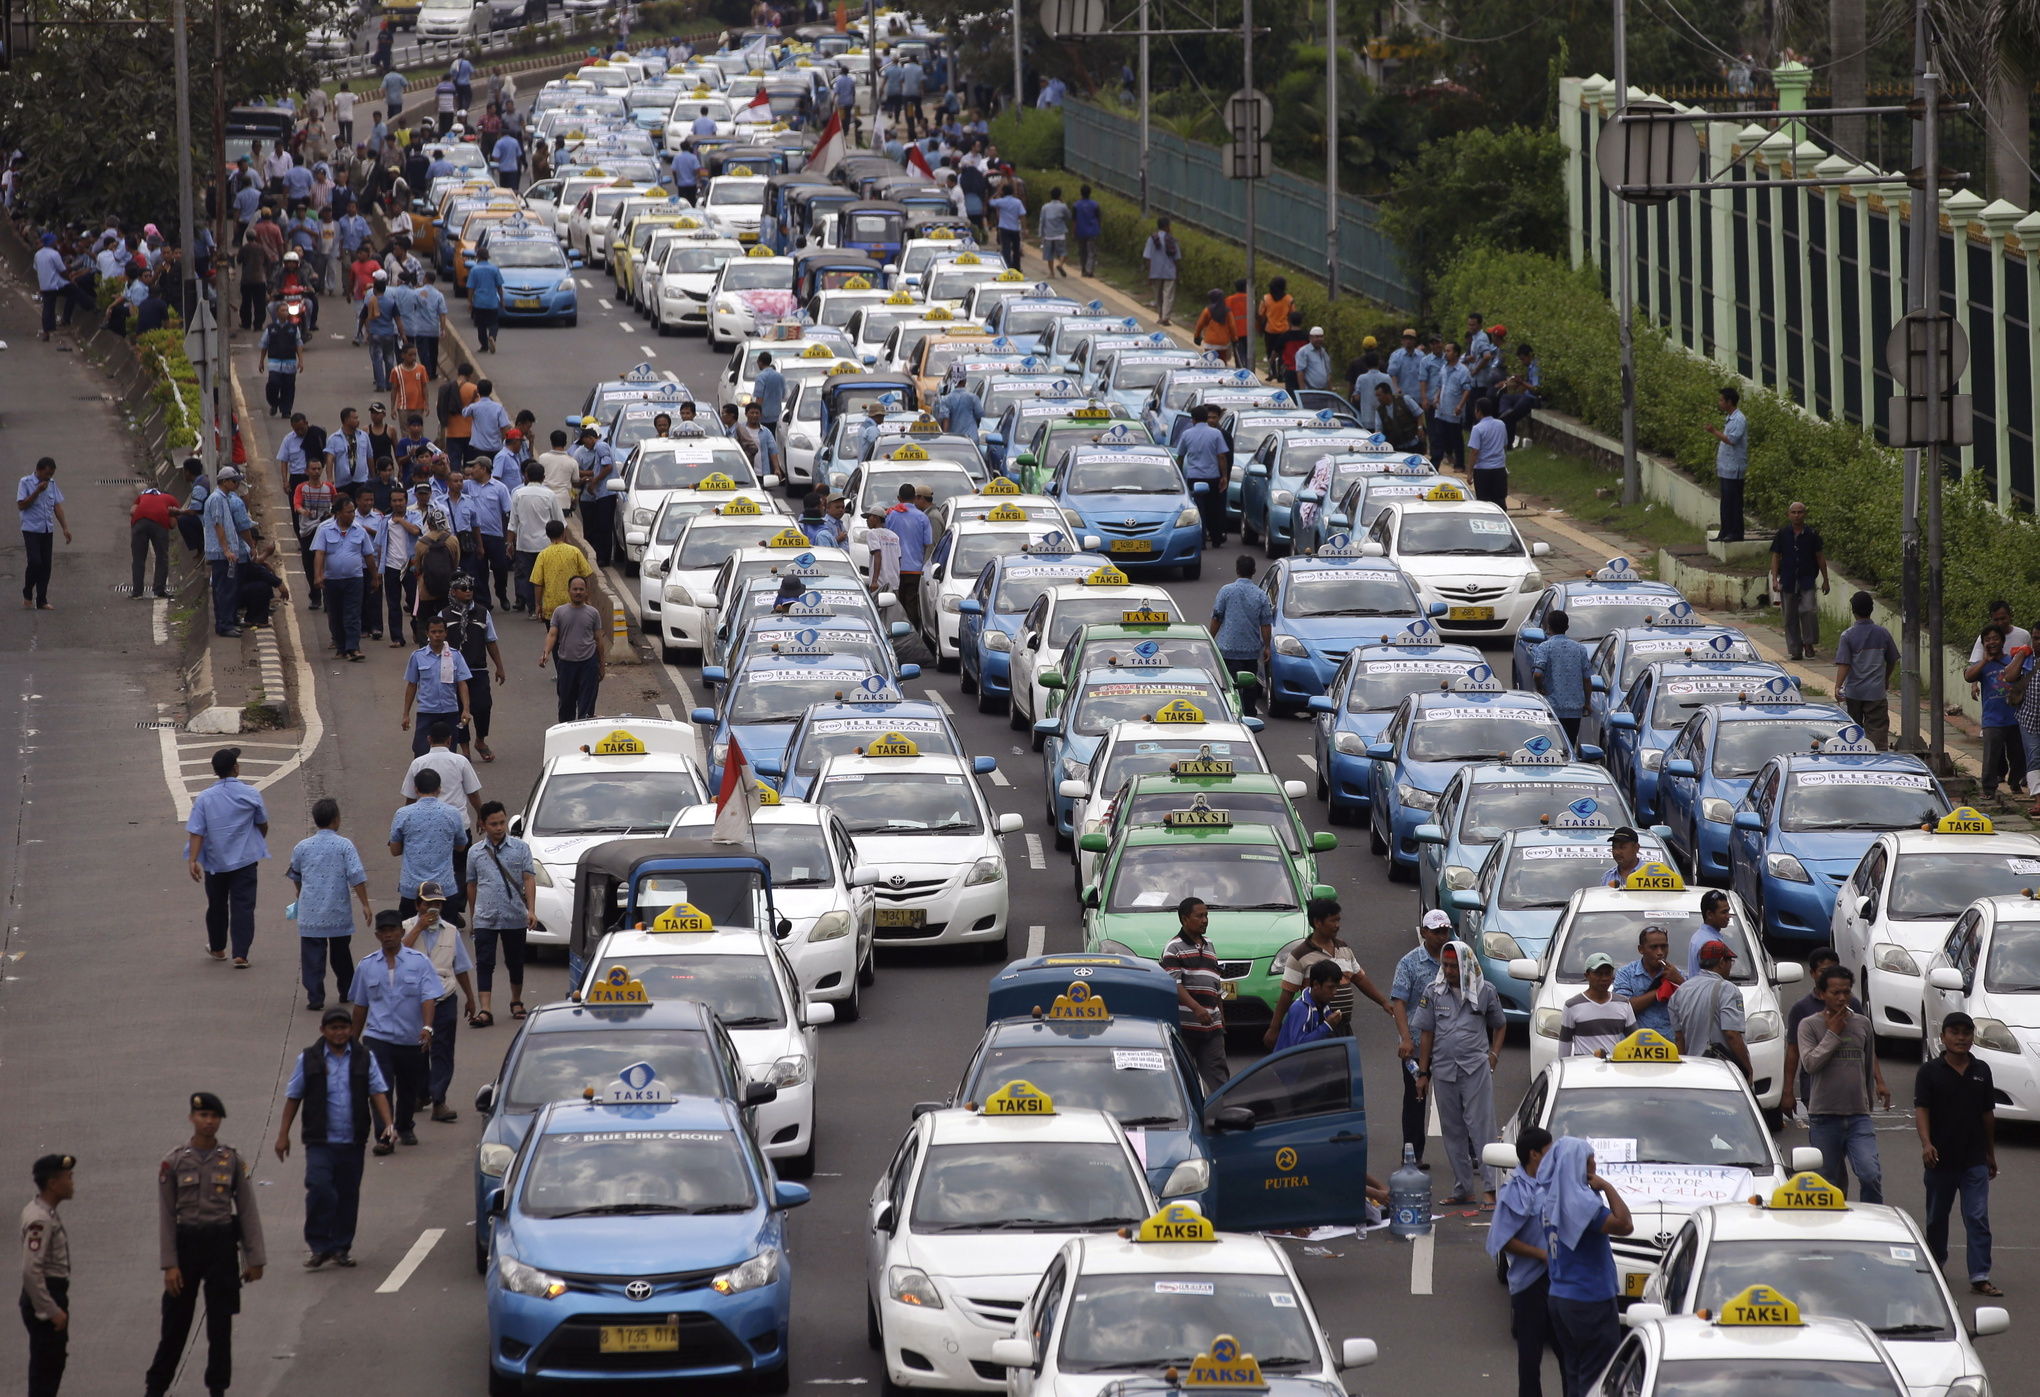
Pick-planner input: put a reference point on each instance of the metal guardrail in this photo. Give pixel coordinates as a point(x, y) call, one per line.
point(435, 54)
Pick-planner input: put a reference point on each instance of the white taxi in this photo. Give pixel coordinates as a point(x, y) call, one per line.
point(690, 109)
point(677, 285)
point(1898, 906)
point(748, 293)
point(672, 520)
point(1757, 1345)
point(1611, 920)
point(923, 821)
point(1134, 749)
point(973, 1207)
point(1841, 1260)
point(1989, 969)
point(688, 601)
point(1671, 1133)
point(1463, 553)
point(603, 779)
point(819, 888)
point(1172, 1293)
point(735, 201)
point(953, 565)
point(746, 979)
point(660, 467)
point(1104, 596)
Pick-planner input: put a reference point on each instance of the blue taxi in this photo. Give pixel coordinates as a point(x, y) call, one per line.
point(865, 715)
point(1281, 465)
point(1432, 736)
point(1615, 597)
point(1621, 655)
point(1379, 673)
point(1168, 402)
point(762, 702)
point(1139, 686)
point(1324, 606)
point(988, 619)
point(1656, 708)
point(829, 635)
point(1808, 818)
point(1709, 766)
point(1318, 515)
point(1026, 319)
point(1126, 377)
point(538, 273)
point(1060, 343)
point(639, 1236)
point(1221, 399)
point(608, 397)
point(1132, 495)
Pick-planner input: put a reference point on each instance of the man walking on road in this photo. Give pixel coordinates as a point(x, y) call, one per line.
point(427, 835)
point(502, 890)
point(577, 639)
point(327, 870)
point(437, 681)
point(1242, 619)
point(1488, 445)
point(1460, 1026)
point(1955, 1112)
point(1413, 972)
point(1161, 252)
point(1836, 1049)
point(1561, 664)
point(1798, 561)
point(554, 570)
point(227, 826)
point(1314, 361)
point(1731, 464)
point(46, 1274)
point(1192, 961)
point(343, 555)
point(209, 1240)
point(598, 501)
point(1865, 659)
point(395, 989)
point(336, 1082)
point(41, 505)
point(471, 630)
point(441, 940)
point(1207, 458)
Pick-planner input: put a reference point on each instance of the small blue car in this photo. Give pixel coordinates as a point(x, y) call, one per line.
point(830, 729)
point(1621, 655)
point(1133, 496)
point(1324, 606)
point(1709, 766)
point(1615, 597)
point(1656, 708)
point(988, 620)
point(1486, 800)
point(1281, 466)
point(1127, 691)
point(538, 274)
point(762, 702)
point(1378, 674)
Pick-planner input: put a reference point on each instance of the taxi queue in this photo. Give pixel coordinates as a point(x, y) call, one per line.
point(644, 1136)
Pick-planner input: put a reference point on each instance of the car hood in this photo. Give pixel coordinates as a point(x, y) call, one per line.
point(534, 278)
point(647, 1244)
point(1456, 567)
point(1340, 631)
point(1018, 1257)
point(763, 739)
point(941, 854)
point(566, 849)
point(1369, 726)
point(1922, 936)
point(805, 904)
point(1239, 935)
point(1140, 508)
point(1838, 851)
point(696, 282)
point(767, 301)
point(2017, 1010)
point(1093, 1384)
point(1928, 1367)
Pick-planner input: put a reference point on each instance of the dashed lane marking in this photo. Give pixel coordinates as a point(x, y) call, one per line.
point(935, 697)
point(604, 304)
point(1036, 859)
point(413, 1259)
point(1307, 759)
point(1037, 937)
point(998, 777)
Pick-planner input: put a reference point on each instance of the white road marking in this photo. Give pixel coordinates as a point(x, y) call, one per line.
point(1037, 937)
point(1036, 859)
point(935, 697)
point(413, 1259)
point(624, 325)
point(604, 304)
point(999, 777)
point(648, 351)
point(1421, 1248)
point(666, 711)
point(159, 620)
point(587, 285)
point(669, 375)
point(1307, 759)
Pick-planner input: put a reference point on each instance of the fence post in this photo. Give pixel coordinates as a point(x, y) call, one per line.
point(1722, 149)
point(1834, 167)
point(1804, 156)
point(1998, 219)
point(1958, 209)
point(2028, 229)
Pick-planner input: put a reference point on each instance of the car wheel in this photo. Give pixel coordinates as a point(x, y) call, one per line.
point(665, 331)
point(1397, 873)
point(1281, 710)
point(1376, 845)
point(852, 1009)
point(874, 1337)
point(965, 679)
point(503, 1385)
point(948, 664)
point(1036, 739)
point(867, 973)
point(994, 950)
point(800, 1166)
point(1774, 1119)
point(481, 1254)
point(1016, 720)
point(570, 321)
point(669, 655)
point(1324, 789)
point(1063, 842)
point(631, 569)
point(989, 702)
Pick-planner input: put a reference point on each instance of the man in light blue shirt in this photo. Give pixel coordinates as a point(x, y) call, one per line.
point(485, 298)
point(1413, 975)
point(1365, 399)
point(597, 500)
point(327, 870)
point(509, 157)
point(1561, 665)
point(41, 507)
point(226, 842)
point(770, 389)
point(960, 411)
point(1242, 619)
point(1452, 389)
point(227, 529)
point(1406, 365)
point(1490, 442)
point(489, 506)
point(342, 1082)
point(703, 124)
point(395, 989)
point(425, 835)
point(1314, 361)
point(350, 451)
point(1731, 464)
point(1206, 457)
point(436, 680)
point(686, 170)
point(342, 551)
point(502, 890)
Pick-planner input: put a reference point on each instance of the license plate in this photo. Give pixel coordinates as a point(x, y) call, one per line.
point(1470, 613)
point(902, 916)
point(1131, 545)
point(640, 1338)
point(1227, 989)
point(526, 303)
point(1632, 1284)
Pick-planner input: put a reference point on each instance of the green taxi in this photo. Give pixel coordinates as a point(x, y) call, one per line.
point(1247, 795)
point(1031, 462)
point(1255, 888)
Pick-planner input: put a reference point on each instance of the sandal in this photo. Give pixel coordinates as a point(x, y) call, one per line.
point(482, 750)
point(516, 1008)
point(1456, 1202)
point(481, 1018)
point(1984, 1288)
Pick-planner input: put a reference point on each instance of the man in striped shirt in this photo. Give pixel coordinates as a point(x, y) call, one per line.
point(1192, 961)
point(1595, 1021)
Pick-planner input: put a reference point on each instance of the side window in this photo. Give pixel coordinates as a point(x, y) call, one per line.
point(1312, 1083)
point(1679, 1270)
point(903, 1173)
point(1638, 701)
point(1870, 872)
point(1047, 1303)
point(1764, 790)
point(1537, 611)
point(1035, 614)
point(1965, 951)
point(1490, 870)
point(1953, 947)
point(1625, 1371)
point(1532, 1109)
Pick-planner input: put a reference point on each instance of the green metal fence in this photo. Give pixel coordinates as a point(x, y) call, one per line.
point(1187, 181)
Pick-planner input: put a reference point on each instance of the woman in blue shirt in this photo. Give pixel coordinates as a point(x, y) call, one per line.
point(1518, 1233)
point(1582, 1211)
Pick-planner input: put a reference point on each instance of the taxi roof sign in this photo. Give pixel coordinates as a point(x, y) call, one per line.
point(1584, 813)
point(893, 744)
point(857, 283)
point(715, 480)
point(1226, 1367)
point(1107, 576)
point(847, 366)
point(998, 485)
point(1759, 1306)
point(643, 373)
point(616, 989)
point(1849, 739)
point(1679, 613)
point(739, 506)
point(1176, 1222)
point(759, 251)
point(874, 688)
point(788, 538)
point(1445, 492)
point(1090, 414)
point(1146, 616)
point(807, 604)
point(1007, 514)
point(1019, 1098)
point(1178, 711)
point(820, 350)
point(1338, 546)
point(619, 743)
point(1203, 764)
point(899, 298)
point(1011, 274)
point(683, 917)
point(1779, 688)
point(1965, 819)
point(1478, 680)
point(1148, 652)
point(636, 1085)
point(1200, 815)
point(1417, 632)
point(1654, 877)
point(1618, 570)
point(1056, 541)
point(1808, 1191)
point(1078, 1003)
point(806, 642)
point(1644, 1045)
point(1538, 751)
point(803, 565)
point(910, 452)
point(925, 425)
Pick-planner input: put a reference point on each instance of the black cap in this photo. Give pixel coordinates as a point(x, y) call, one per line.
point(51, 1165)
point(206, 1101)
point(225, 760)
point(1625, 832)
point(335, 1015)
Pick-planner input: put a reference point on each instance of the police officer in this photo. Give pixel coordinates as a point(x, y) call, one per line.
point(210, 1237)
point(46, 1274)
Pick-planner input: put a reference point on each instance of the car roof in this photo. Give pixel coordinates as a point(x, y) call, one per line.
point(744, 942)
point(681, 1113)
point(941, 763)
point(664, 1015)
point(1920, 841)
point(1229, 1253)
point(1859, 761)
point(1740, 712)
point(1246, 832)
point(1687, 1074)
point(1121, 1030)
point(1181, 732)
point(1074, 1125)
point(1858, 1222)
point(1819, 1338)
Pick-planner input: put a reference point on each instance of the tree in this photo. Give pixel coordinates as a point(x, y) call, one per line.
point(1501, 189)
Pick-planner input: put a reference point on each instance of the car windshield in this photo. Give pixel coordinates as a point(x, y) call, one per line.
point(1124, 475)
point(1679, 699)
point(2013, 966)
point(1457, 532)
point(1131, 759)
point(1020, 589)
point(629, 431)
point(1349, 592)
point(882, 487)
point(1616, 931)
point(1640, 653)
point(797, 853)
point(740, 989)
point(1545, 876)
point(782, 696)
point(556, 1066)
point(908, 802)
point(1172, 652)
point(612, 802)
point(626, 1171)
point(937, 357)
point(840, 597)
point(1007, 1185)
point(1772, 1377)
point(1030, 320)
point(1124, 700)
point(1861, 800)
point(1126, 376)
point(1136, 1085)
point(866, 648)
point(1379, 685)
point(668, 470)
point(1479, 734)
point(979, 547)
point(942, 454)
point(1892, 1289)
point(1136, 1321)
point(1493, 807)
point(832, 737)
point(673, 517)
point(1229, 877)
point(1594, 614)
point(1677, 1127)
point(525, 252)
point(830, 564)
point(723, 195)
point(707, 547)
point(1742, 747)
point(1247, 807)
point(877, 324)
point(746, 275)
point(683, 260)
point(1072, 612)
point(1925, 886)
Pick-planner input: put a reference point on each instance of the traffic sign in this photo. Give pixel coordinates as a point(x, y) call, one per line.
point(1643, 149)
point(201, 341)
point(1250, 116)
point(1062, 18)
point(1248, 161)
point(1927, 346)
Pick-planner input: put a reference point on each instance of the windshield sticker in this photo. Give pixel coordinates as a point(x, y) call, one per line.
point(846, 776)
point(775, 676)
point(1157, 748)
point(1489, 526)
point(1512, 714)
point(1140, 1060)
point(1120, 690)
point(953, 780)
point(1909, 780)
point(1418, 666)
point(1710, 686)
point(2024, 865)
point(1565, 851)
point(1613, 1149)
point(610, 1137)
point(1186, 1288)
point(1282, 1299)
point(835, 725)
point(1904, 1254)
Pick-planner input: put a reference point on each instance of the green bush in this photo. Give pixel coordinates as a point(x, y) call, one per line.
point(1852, 486)
point(1480, 187)
point(1033, 140)
point(166, 346)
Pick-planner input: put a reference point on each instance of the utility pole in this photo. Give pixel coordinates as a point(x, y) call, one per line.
point(1927, 239)
point(1143, 108)
point(1247, 63)
point(1625, 298)
point(187, 232)
point(1019, 95)
point(220, 443)
point(1331, 149)
point(871, 66)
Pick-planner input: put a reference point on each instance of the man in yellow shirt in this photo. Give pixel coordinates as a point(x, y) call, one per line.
point(557, 565)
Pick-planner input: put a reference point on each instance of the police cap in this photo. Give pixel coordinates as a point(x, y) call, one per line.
point(206, 1101)
point(51, 1165)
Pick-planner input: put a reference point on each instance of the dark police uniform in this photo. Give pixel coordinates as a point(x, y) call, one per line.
point(208, 1228)
point(45, 1285)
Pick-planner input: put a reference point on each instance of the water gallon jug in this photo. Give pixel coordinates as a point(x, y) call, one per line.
point(1409, 1197)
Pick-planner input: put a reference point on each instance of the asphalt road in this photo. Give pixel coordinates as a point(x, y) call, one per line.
point(111, 1014)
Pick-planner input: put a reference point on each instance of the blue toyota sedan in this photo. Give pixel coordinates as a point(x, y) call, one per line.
point(1379, 673)
point(988, 620)
point(1616, 596)
point(1621, 655)
point(1664, 696)
point(762, 702)
point(538, 275)
point(1131, 689)
point(1324, 606)
point(1133, 496)
point(1709, 766)
point(831, 729)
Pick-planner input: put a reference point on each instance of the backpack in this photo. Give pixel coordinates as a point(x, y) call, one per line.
point(449, 400)
point(435, 567)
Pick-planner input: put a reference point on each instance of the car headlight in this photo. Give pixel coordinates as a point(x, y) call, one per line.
point(762, 1269)
point(999, 641)
point(1189, 518)
point(1974, 1385)
point(1653, 759)
point(1534, 582)
point(1191, 1176)
point(801, 443)
point(1074, 770)
point(641, 516)
point(540, 875)
point(1544, 1023)
point(952, 603)
point(1895, 959)
point(520, 1279)
point(1290, 645)
point(1717, 811)
point(493, 1159)
point(986, 870)
point(1499, 945)
point(718, 752)
point(1763, 1026)
point(1786, 867)
point(726, 306)
point(910, 1286)
point(1349, 743)
point(1993, 1034)
point(789, 1071)
point(1413, 798)
point(1283, 497)
point(830, 926)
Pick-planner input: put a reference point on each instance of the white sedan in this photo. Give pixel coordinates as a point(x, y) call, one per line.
point(688, 599)
point(677, 285)
point(1054, 618)
point(662, 466)
point(954, 564)
point(1989, 969)
point(1465, 554)
point(748, 294)
point(672, 519)
point(735, 203)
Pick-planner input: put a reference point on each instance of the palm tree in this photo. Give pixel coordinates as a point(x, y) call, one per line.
point(2007, 67)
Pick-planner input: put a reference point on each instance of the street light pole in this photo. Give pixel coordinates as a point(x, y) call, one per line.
point(1143, 108)
point(1247, 62)
point(1332, 150)
point(186, 231)
point(1019, 95)
point(1625, 299)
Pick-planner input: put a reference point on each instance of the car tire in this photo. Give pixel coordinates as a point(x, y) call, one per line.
point(1015, 719)
point(989, 702)
point(1376, 845)
point(1324, 789)
point(1397, 873)
point(800, 1166)
point(665, 331)
point(503, 1385)
point(965, 681)
point(570, 321)
point(669, 655)
point(850, 1010)
point(874, 1337)
point(1774, 1119)
point(948, 664)
point(867, 973)
point(481, 1255)
point(994, 951)
point(775, 1380)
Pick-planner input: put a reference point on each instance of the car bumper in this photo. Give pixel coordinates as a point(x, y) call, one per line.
point(2018, 1083)
point(555, 909)
point(954, 915)
point(1402, 830)
point(681, 624)
point(1888, 993)
point(1168, 548)
point(1296, 678)
point(732, 324)
point(786, 1124)
point(543, 306)
point(1798, 911)
point(995, 672)
point(1509, 610)
point(1346, 777)
point(1710, 858)
point(946, 1348)
point(559, 1340)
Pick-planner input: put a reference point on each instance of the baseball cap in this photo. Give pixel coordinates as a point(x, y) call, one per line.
point(1716, 950)
point(335, 1015)
point(513, 435)
point(1409, 334)
point(1600, 960)
point(231, 473)
point(224, 760)
point(1316, 330)
point(1625, 832)
point(379, 407)
point(429, 891)
point(1436, 920)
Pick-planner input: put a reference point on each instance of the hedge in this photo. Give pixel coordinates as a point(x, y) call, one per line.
point(154, 350)
point(1853, 486)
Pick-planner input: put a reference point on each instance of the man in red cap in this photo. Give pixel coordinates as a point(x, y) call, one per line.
point(1707, 1010)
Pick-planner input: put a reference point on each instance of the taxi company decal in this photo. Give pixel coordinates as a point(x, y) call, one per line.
point(1227, 1365)
point(1911, 780)
point(1078, 1002)
point(1286, 1177)
point(885, 725)
point(637, 1084)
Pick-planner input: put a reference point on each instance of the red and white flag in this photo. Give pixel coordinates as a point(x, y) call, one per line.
point(737, 800)
point(755, 111)
point(918, 160)
point(828, 151)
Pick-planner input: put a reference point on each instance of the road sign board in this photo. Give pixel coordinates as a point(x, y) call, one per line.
point(1065, 17)
point(1248, 160)
point(1642, 149)
point(1250, 116)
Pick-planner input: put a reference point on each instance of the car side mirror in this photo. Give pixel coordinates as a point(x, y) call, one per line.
point(1091, 898)
point(485, 1099)
point(1014, 1353)
point(1626, 722)
point(1254, 724)
point(1749, 820)
point(768, 766)
point(1012, 823)
point(1787, 972)
point(517, 827)
point(1946, 977)
point(1803, 1159)
point(1324, 892)
point(1590, 753)
point(1381, 751)
point(495, 1203)
point(1640, 1313)
point(882, 1220)
point(994, 439)
point(1531, 635)
point(910, 671)
point(1540, 550)
point(1092, 543)
point(704, 716)
point(1093, 843)
point(785, 1195)
point(899, 630)
point(818, 1013)
point(1524, 968)
point(760, 1093)
point(1034, 641)
point(1465, 899)
point(1320, 703)
point(863, 877)
point(1428, 834)
point(1597, 683)
point(1072, 789)
point(1499, 1154)
point(1371, 548)
point(1246, 679)
point(970, 606)
point(1989, 1320)
point(1048, 727)
point(1229, 1118)
point(1679, 766)
point(1323, 842)
point(885, 599)
point(1358, 1353)
point(1051, 679)
point(714, 674)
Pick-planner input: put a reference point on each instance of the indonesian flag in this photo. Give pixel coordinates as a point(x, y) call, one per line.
point(758, 109)
point(737, 800)
point(918, 160)
point(828, 151)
